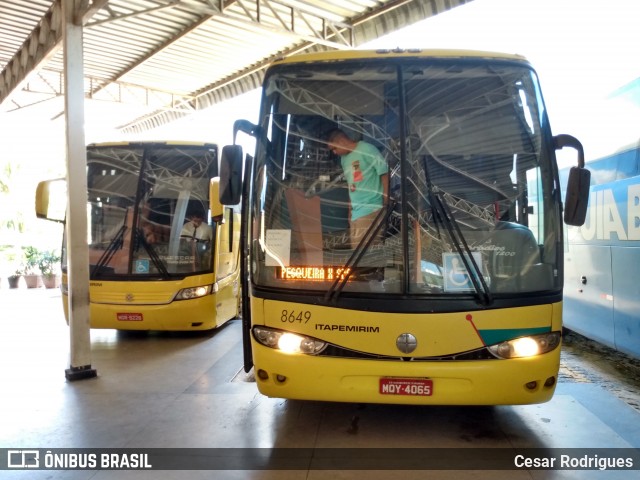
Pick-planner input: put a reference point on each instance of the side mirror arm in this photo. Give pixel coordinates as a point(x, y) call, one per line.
point(564, 140)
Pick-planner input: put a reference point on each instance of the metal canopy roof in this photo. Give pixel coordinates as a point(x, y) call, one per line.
point(174, 57)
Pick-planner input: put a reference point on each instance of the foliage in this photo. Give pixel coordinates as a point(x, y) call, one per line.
point(19, 225)
point(18, 272)
point(48, 263)
point(12, 221)
point(12, 261)
point(32, 260)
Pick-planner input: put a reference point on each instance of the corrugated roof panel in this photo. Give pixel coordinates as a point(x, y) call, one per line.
point(335, 10)
point(18, 18)
point(189, 48)
point(208, 53)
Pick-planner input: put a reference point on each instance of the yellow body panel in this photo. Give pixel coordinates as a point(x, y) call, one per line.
point(468, 382)
point(125, 302)
point(442, 358)
point(152, 306)
point(437, 334)
point(478, 382)
point(333, 55)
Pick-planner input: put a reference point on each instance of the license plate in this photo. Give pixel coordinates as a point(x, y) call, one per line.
point(406, 386)
point(129, 317)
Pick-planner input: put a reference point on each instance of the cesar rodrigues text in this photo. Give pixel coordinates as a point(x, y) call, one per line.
point(584, 462)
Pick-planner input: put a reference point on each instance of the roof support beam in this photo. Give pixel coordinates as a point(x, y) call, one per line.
point(302, 23)
point(44, 42)
point(114, 17)
point(246, 11)
point(50, 83)
point(312, 31)
point(88, 9)
point(390, 17)
point(296, 21)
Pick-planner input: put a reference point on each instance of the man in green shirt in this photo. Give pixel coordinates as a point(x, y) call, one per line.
point(367, 175)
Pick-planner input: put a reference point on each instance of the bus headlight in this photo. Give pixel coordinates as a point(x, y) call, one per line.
point(526, 346)
point(193, 292)
point(288, 342)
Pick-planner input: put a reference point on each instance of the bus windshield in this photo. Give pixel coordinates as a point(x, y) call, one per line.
point(148, 210)
point(465, 200)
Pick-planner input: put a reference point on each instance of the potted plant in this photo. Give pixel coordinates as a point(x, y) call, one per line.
point(14, 278)
point(12, 258)
point(48, 264)
point(32, 270)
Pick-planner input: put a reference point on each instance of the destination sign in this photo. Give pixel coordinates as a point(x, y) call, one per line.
point(308, 273)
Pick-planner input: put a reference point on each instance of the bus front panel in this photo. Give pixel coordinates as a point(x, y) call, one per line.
point(405, 201)
point(453, 360)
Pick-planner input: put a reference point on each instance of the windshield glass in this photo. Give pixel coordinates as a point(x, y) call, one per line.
point(149, 210)
point(413, 177)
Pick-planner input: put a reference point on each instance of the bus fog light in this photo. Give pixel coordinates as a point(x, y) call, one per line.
point(263, 375)
point(550, 382)
point(193, 292)
point(531, 385)
point(288, 342)
point(526, 346)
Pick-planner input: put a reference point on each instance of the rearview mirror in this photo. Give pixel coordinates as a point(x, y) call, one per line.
point(577, 196)
point(51, 200)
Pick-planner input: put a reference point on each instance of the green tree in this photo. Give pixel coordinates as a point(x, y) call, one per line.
point(11, 220)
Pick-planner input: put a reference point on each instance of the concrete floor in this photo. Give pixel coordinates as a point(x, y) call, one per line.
point(188, 391)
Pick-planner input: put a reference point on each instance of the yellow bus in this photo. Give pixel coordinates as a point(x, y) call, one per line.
point(161, 255)
point(452, 294)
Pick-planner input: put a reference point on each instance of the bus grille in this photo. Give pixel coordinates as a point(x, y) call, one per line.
point(144, 298)
point(339, 352)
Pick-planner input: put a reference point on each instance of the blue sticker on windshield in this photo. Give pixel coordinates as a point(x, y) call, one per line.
point(141, 266)
point(456, 276)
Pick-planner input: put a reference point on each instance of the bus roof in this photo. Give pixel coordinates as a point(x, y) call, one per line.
point(397, 53)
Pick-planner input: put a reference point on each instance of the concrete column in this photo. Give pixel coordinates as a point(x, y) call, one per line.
point(77, 247)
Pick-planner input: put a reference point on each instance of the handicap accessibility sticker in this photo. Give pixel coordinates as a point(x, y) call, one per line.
point(141, 266)
point(456, 276)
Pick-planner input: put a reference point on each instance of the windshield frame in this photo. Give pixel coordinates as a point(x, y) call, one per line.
point(142, 258)
point(481, 291)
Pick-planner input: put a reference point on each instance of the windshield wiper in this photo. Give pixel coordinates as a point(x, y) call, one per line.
point(115, 244)
point(153, 255)
point(443, 213)
point(339, 283)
